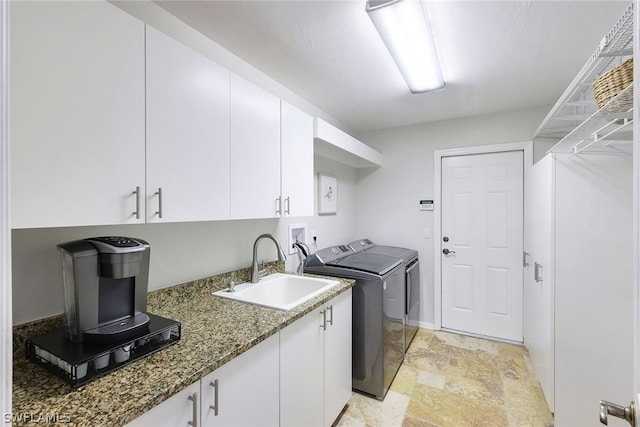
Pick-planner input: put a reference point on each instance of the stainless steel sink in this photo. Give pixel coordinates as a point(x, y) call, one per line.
point(280, 291)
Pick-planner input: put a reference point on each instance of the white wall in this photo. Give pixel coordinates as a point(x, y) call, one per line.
point(180, 252)
point(388, 197)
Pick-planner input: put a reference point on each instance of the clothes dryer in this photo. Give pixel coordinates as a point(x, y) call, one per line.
point(411, 265)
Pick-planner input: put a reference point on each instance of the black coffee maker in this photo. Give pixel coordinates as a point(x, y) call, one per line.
point(105, 324)
point(105, 281)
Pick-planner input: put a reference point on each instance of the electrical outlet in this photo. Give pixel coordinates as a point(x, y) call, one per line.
point(426, 233)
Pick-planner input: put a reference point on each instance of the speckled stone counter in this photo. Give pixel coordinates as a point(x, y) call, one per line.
point(214, 331)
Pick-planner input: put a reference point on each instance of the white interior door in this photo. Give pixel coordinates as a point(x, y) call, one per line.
point(482, 243)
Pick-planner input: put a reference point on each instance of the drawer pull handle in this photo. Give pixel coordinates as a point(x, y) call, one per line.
point(194, 400)
point(214, 384)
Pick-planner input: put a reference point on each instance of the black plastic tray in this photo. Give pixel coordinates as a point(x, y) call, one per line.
point(75, 363)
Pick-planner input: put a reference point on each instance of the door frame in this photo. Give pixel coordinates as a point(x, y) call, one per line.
point(527, 151)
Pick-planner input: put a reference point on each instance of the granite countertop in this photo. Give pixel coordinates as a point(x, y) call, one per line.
point(214, 331)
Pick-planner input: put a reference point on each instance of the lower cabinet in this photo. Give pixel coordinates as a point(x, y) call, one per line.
point(337, 357)
point(178, 410)
point(299, 377)
point(244, 392)
point(315, 365)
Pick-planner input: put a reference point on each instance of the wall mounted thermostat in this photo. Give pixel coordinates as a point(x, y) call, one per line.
point(426, 205)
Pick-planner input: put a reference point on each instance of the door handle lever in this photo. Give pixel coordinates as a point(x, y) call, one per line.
point(447, 251)
point(608, 408)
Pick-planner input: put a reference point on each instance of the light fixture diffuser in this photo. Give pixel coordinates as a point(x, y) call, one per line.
point(405, 30)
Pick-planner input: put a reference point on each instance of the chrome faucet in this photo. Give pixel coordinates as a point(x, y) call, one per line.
point(255, 272)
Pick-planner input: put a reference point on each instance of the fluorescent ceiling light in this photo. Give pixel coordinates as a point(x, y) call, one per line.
point(405, 30)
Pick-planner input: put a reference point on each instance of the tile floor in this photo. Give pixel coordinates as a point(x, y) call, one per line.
point(455, 380)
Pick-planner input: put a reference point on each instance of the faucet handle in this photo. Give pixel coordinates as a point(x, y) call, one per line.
point(232, 286)
point(262, 271)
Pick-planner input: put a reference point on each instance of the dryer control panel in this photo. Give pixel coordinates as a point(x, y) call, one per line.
point(328, 255)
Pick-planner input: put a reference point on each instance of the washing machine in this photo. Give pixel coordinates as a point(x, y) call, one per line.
point(411, 263)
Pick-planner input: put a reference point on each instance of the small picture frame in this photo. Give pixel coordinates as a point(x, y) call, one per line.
point(327, 194)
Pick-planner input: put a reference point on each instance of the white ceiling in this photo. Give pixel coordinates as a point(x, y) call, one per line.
point(496, 55)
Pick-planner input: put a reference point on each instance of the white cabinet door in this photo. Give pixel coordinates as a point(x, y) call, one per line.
point(76, 114)
point(337, 356)
point(255, 151)
point(301, 372)
point(593, 285)
point(297, 161)
point(187, 133)
point(538, 274)
point(244, 392)
point(178, 410)
point(315, 365)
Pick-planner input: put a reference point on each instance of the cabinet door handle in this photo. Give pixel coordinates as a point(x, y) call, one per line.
point(525, 259)
point(407, 285)
point(330, 321)
point(288, 204)
point(324, 319)
point(278, 205)
point(159, 194)
point(214, 384)
point(537, 272)
point(194, 401)
point(137, 193)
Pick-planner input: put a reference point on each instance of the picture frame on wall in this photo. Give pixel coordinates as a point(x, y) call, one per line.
point(327, 194)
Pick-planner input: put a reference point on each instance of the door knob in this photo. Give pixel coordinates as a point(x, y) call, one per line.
point(608, 408)
point(447, 251)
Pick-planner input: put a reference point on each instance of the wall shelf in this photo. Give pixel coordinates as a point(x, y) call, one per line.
point(575, 122)
point(337, 145)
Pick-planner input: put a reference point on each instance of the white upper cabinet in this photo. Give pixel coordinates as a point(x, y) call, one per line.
point(297, 161)
point(187, 133)
point(76, 114)
point(255, 151)
point(109, 125)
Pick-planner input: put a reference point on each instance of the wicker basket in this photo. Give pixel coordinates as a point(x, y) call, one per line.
point(613, 82)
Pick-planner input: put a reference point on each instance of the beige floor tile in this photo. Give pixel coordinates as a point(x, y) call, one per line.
point(414, 422)
point(427, 360)
point(405, 380)
point(475, 379)
point(467, 342)
point(373, 412)
point(526, 405)
point(431, 379)
point(444, 408)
